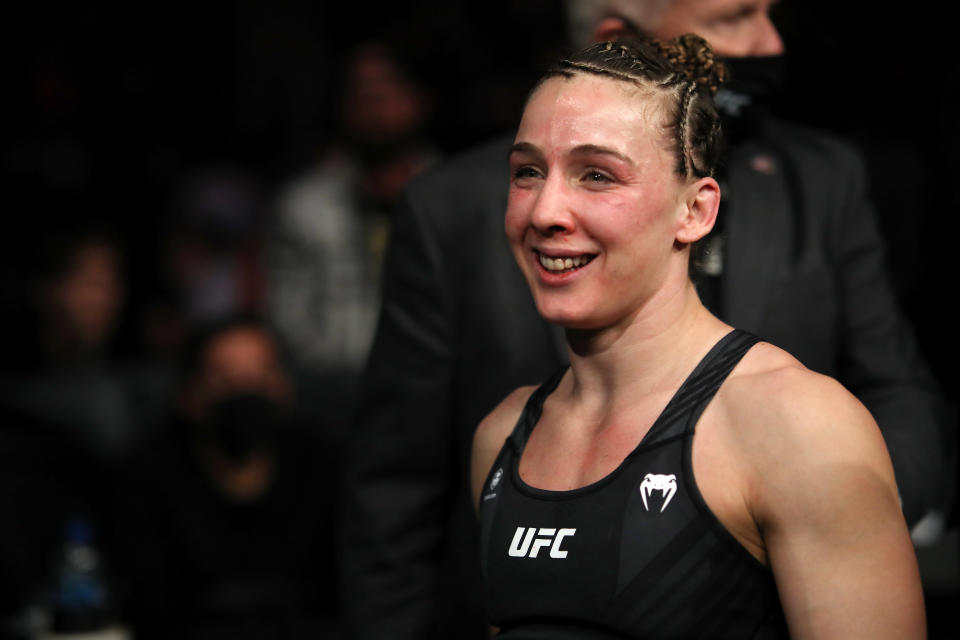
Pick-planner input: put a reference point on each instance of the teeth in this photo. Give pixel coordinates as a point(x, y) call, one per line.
point(561, 264)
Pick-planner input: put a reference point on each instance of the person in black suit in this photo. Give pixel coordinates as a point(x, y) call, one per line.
point(801, 265)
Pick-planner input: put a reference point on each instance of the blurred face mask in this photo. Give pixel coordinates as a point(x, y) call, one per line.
point(755, 76)
point(751, 85)
point(750, 79)
point(242, 424)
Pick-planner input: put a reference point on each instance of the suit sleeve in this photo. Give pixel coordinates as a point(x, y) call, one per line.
point(397, 475)
point(880, 359)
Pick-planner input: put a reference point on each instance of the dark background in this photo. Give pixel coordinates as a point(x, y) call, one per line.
point(110, 106)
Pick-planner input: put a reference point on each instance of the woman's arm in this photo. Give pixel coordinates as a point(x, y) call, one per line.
point(826, 503)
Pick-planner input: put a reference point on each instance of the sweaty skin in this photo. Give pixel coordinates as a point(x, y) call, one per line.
point(788, 460)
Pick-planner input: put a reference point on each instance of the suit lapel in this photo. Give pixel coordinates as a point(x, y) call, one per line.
point(758, 232)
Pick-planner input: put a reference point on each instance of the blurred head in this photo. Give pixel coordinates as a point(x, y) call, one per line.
point(81, 291)
point(217, 206)
point(382, 105)
point(733, 28)
point(235, 387)
point(612, 177)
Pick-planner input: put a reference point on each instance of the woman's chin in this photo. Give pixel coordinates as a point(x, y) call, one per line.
point(567, 317)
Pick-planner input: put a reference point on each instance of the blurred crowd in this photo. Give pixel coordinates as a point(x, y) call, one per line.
point(173, 406)
point(188, 301)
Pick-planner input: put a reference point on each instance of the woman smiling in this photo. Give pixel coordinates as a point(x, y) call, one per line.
point(681, 478)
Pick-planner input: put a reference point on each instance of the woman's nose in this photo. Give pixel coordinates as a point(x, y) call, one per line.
point(552, 212)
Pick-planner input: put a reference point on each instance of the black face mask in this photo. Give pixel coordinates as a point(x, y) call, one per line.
point(757, 76)
point(752, 80)
point(242, 424)
point(751, 88)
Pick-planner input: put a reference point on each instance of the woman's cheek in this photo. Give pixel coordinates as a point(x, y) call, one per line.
point(514, 222)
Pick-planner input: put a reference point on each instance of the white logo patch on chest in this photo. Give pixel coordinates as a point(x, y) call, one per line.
point(545, 537)
point(495, 480)
point(666, 484)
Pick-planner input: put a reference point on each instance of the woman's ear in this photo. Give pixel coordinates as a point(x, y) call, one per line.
point(700, 210)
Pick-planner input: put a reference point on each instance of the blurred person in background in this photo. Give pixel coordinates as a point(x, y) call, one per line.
point(212, 251)
point(68, 409)
point(225, 519)
point(797, 259)
point(332, 223)
point(65, 368)
point(80, 297)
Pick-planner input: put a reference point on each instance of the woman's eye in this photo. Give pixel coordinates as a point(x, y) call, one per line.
point(597, 177)
point(525, 172)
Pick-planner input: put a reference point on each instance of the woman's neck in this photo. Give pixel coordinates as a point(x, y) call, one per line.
point(652, 350)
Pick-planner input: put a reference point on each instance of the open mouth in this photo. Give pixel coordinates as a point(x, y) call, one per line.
point(564, 264)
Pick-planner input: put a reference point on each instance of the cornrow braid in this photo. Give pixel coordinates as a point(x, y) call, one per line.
point(684, 70)
point(693, 57)
point(591, 68)
point(682, 114)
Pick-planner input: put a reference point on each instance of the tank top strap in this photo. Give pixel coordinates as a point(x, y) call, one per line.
point(681, 414)
point(534, 408)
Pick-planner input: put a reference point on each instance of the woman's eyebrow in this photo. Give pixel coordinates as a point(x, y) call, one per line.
point(592, 149)
point(524, 147)
point(579, 150)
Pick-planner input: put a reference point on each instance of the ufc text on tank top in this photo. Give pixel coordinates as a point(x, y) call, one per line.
point(637, 554)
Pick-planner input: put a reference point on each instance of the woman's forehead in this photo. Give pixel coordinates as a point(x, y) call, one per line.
point(586, 109)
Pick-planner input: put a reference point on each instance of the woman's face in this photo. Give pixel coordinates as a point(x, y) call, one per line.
point(594, 202)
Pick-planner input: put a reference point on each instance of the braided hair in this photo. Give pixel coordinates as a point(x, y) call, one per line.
point(684, 70)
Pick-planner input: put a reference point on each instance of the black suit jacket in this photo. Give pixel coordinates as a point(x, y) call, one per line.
point(459, 330)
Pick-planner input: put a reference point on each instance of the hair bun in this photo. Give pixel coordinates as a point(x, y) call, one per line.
point(693, 56)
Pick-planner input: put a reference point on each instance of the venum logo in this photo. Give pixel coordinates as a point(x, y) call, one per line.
point(665, 484)
point(492, 487)
point(535, 539)
point(496, 478)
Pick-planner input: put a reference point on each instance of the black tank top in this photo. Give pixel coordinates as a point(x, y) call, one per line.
point(637, 554)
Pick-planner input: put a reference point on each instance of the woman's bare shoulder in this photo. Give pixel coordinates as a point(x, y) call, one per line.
point(771, 387)
point(493, 431)
point(789, 421)
point(814, 475)
point(498, 424)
